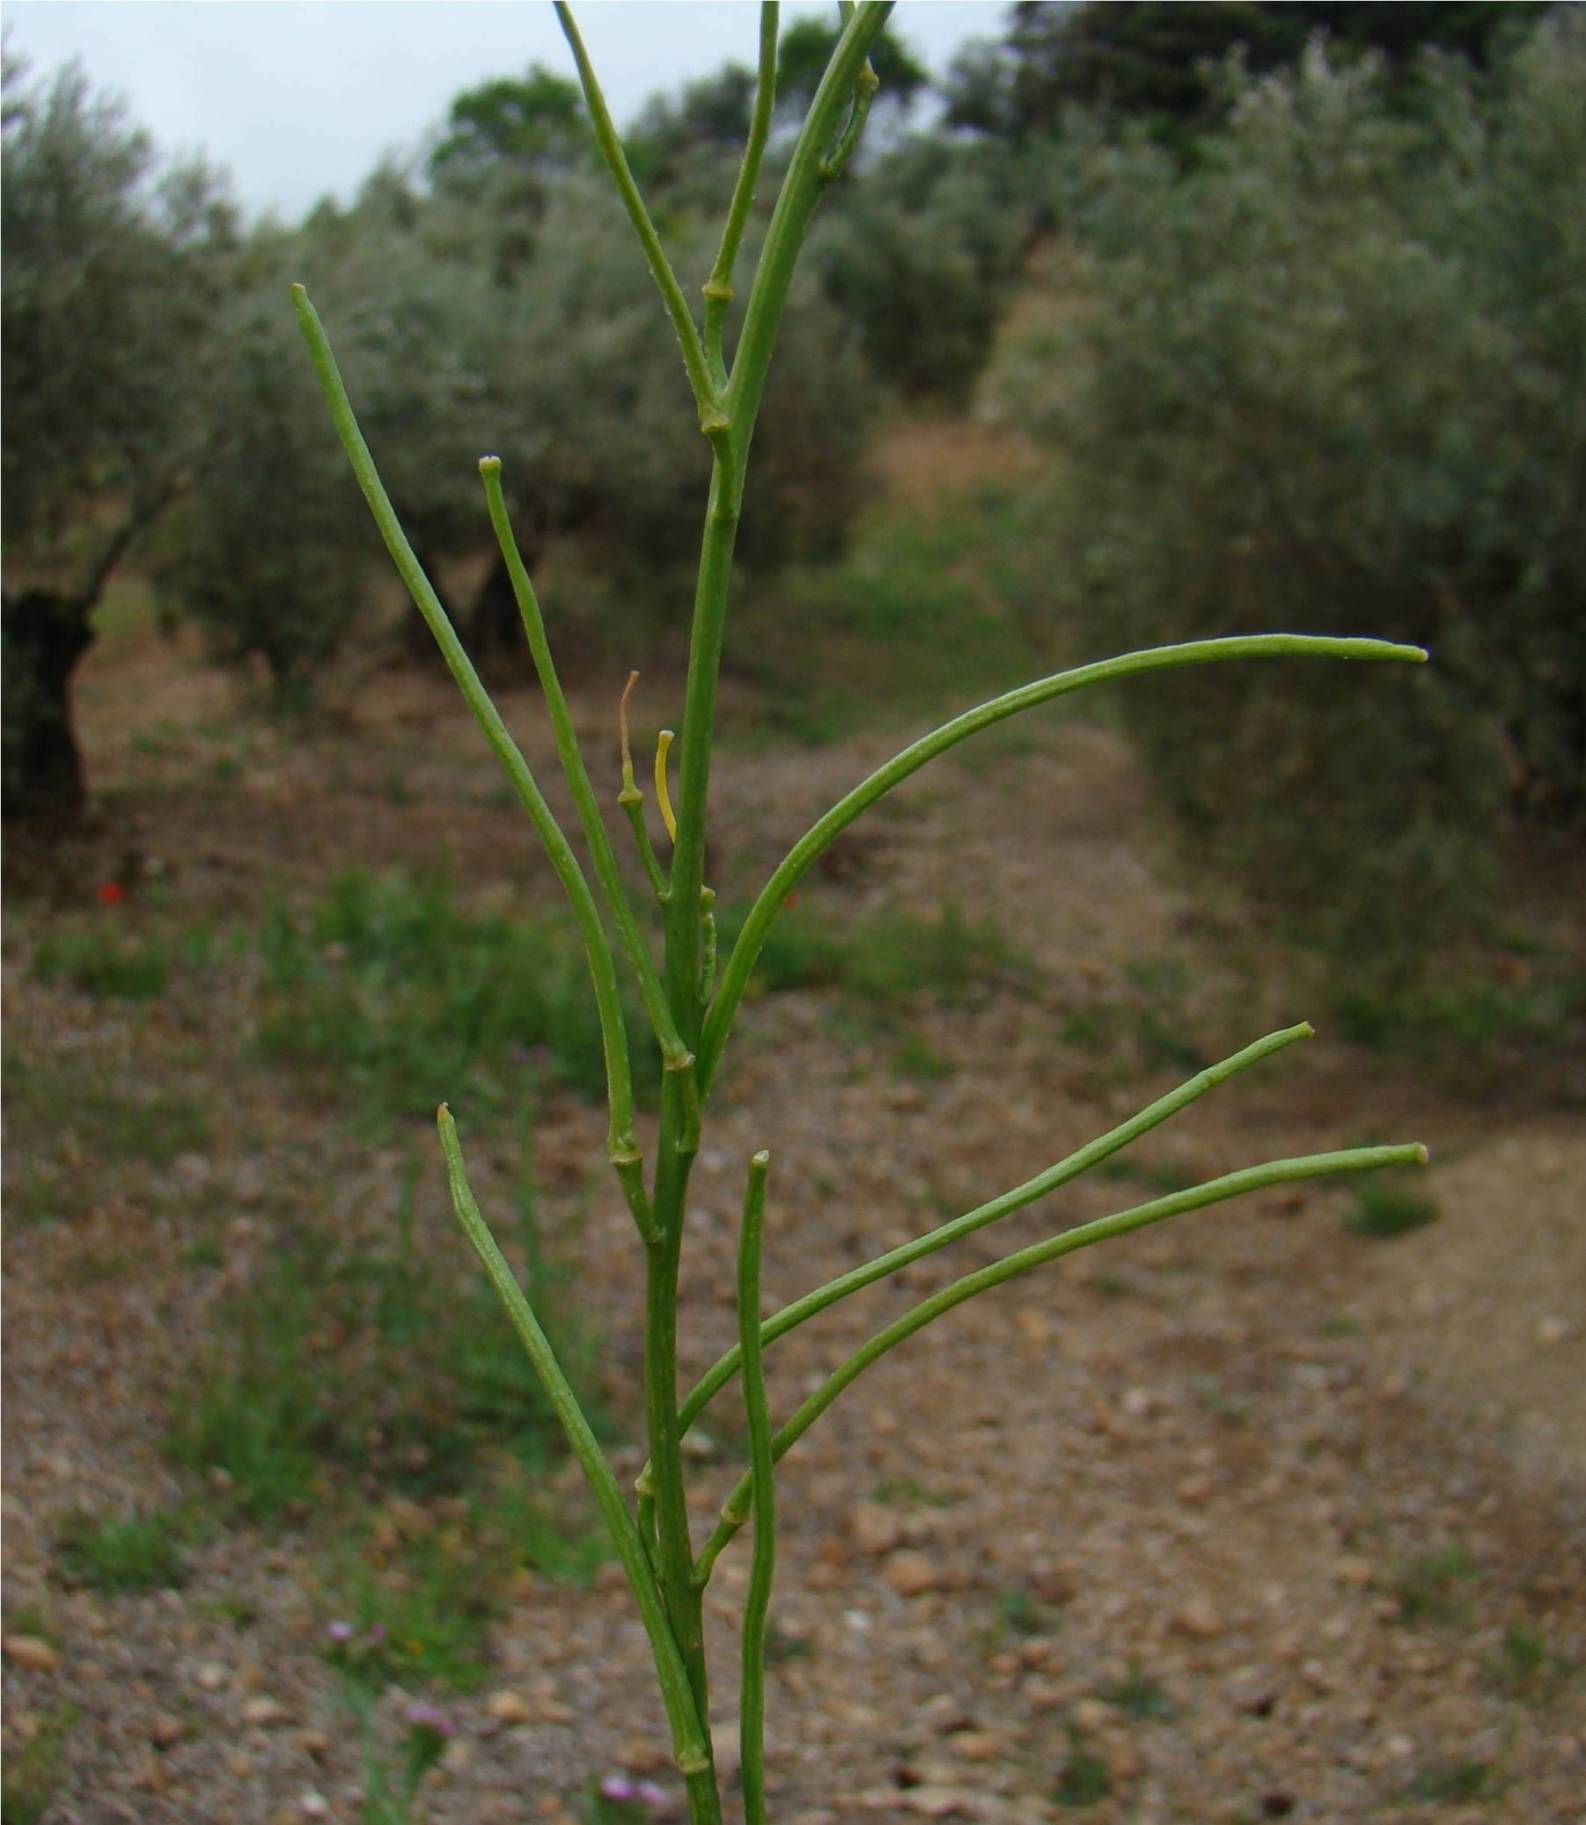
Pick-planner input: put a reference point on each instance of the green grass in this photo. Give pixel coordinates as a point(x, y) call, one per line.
point(1525, 1667)
point(886, 960)
point(404, 999)
point(1021, 1614)
point(1148, 1019)
point(1448, 1783)
point(71, 1118)
point(1428, 1586)
point(104, 964)
point(1384, 1209)
point(33, 1771)
point(1140, 1696)
point(120, 1556)
point(909, 1492)
point(1529, 1002)
point(422, 1616)
point(1212, 1397)
point(1083, 1779)
point(349, 1368)
point(918, 1061)
point(927, 611)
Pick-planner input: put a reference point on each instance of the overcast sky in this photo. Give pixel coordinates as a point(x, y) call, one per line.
point(300, 97)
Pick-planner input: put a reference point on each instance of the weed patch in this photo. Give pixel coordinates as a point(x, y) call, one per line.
point(1428, 1587)
point(33, 1771)
point(1525, 1667)
point(348, 1367)
point(925, 610)
point(1083, 1779)
point(121, 1556)
point(98, 961)
point(1385, 1210)
point(70, 1119)
point(422, 1616)
point(1140, 1696)
point(888, 959)
point(407, 1000)
point(1447, 1783)
point(1515, 1010)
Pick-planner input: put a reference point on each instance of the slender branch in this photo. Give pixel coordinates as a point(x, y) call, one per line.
point(1215, 1191)
point(634, 807)
point(600, 850)
point(621, 1145)
point(1071, 1167)
point(718, 287)
point(631, 800)
point(790, 220)
point(662, 1479)
point(606, 136)
point(757, 1601)
point(820, 836)
point(795, 207)
point(864, 94)
point(689, 1744)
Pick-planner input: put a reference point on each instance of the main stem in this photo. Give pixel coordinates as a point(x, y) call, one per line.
point(730, 433)
point(679, 1133)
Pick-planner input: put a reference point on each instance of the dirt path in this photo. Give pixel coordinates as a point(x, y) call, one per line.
point(1245, 1518)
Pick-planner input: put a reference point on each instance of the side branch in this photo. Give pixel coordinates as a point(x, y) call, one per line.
point(622, 1147)
point(757, 1600)
point(688, 1739)
point(1019, 1198)
point(594, 828)
point(699, 377)
point(820, 836)
point(1215, 1191)
point(718, 288)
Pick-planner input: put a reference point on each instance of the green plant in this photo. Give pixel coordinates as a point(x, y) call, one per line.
point(1446, 1783)
point(1141, 1695)
point(113, 271)
point(345, 1364)
point(1386, 1210)
point(391, 1794)
point(1083, 1779)
point(1427, 1586)
point(406, 995)
point(102, 963)
point(886, 959)
point(1296, 374)
point(690, 1003)
point(139, 1553)
point(67, 1117)
point(1525, 1667)
point(33, 1771)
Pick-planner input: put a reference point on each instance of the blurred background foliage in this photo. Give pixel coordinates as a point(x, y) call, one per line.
point(1291, 300)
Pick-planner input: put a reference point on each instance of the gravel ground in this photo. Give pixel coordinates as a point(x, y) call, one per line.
point(1131, 1539)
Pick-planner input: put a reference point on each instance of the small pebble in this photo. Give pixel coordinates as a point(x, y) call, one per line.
point(32, 1652)
point(912, 1574)
point(510, 1708)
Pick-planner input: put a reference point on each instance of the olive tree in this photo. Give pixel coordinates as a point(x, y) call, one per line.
point(1337, 373)
point(113, 269)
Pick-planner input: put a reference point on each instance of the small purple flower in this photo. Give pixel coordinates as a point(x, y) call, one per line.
point(376, 1635)
point(340, 1632)
point(421, 1716)
point(644, 1793)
